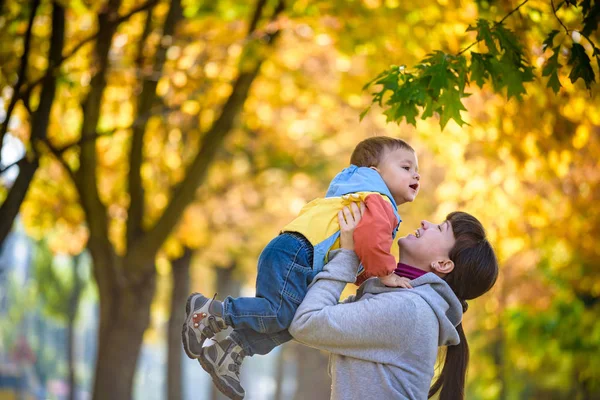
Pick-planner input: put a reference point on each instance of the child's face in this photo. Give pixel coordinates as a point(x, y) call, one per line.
point(399, 170)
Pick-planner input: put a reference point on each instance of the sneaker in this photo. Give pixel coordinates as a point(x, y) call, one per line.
point(202, 320)
point(222, 361)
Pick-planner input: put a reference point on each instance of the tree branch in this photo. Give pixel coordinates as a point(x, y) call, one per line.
point(497, 23)
point(58, 155)
point(557, 17)
point(39, 127)
point(184, 193)
point(86, 180)
point(21, 74)
point(54, 68)
point(11, 205)
point(9, 166)
point(568, 31)
point(146, 100)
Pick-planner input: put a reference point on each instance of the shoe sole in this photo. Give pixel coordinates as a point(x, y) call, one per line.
point(223, 388)
point(184, 329)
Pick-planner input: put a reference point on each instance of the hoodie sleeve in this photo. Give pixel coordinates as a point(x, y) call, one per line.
point(374, 329)
point(373, 238)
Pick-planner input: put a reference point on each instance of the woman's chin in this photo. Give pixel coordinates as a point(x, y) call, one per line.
point(406, 239)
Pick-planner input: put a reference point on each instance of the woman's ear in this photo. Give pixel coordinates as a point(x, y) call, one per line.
point(443, 267)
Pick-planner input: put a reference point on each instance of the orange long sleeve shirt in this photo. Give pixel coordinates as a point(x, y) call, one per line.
point(373, 238)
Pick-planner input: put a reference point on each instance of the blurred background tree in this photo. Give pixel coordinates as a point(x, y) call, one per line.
point(173, 139)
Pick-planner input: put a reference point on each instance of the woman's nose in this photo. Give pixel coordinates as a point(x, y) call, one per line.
point(425, 224)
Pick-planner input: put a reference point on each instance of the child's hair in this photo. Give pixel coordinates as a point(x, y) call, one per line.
point(371, 151)
point(475, 272)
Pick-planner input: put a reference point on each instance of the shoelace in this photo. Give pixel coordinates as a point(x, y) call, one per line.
point(212, 326)
point(237, 360)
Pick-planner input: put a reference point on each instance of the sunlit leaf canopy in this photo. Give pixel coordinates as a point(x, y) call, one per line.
point(528, 168)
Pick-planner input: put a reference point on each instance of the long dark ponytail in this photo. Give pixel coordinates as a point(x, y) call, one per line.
point(475, 272)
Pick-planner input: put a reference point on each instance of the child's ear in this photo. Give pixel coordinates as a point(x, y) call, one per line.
point(444, 266)
point(375, 168)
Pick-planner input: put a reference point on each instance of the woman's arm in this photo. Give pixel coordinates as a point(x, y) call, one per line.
point(372, 329)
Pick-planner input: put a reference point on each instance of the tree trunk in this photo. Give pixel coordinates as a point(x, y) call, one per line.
point(72, 315)
point(180, 271)
point(16, 195)
point(313, 378)
point(120, 337)
point(39, 124)
point(226, 285)
point(280, 372)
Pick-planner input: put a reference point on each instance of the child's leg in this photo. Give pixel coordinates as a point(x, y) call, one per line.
point(223, 359)
point(253, 342)
point(284, 273)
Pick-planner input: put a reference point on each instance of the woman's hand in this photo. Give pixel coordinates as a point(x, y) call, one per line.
point(349, 217)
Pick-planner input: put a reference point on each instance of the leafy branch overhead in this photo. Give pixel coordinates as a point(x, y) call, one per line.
point(437, 84)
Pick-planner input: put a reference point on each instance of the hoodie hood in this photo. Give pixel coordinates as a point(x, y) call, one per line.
point(359, 179)
point(436, 292)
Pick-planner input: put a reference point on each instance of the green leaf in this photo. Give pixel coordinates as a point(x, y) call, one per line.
point(591, 17)
point(452, 106)
point(438, 70)
point(582, 68)
point(552, 64)
point(484, 34)
point(549, 39)
point(551, 69)
point(507, 39)
point(429, 107)
point(554, 82)
point(479, 68)
point(364, 113)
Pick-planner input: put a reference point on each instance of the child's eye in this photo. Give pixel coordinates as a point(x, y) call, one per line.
point(406, 168)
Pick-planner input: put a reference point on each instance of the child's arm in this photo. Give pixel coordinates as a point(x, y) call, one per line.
point(373, 238)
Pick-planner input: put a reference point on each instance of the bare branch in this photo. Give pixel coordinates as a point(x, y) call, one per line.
point(86, 177)
point(9, 166)
point(146, 100)
point(11, 205)
point(58, 155)
point(260, 6)
point(184, 193)
point(497, 23)
point(22, 73)
point(53, 69)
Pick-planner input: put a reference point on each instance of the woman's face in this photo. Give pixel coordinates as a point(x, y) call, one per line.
point(430, 244)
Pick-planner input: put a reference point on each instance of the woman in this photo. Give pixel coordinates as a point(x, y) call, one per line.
point(384, 340)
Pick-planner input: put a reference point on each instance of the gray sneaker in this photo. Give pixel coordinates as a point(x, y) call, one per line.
point(202, 320)
point(222, 361)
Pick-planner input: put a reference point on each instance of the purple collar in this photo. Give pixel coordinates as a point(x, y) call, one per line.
point(408, 271)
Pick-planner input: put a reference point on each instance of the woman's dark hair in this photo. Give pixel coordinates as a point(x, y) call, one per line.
point(371, 151)
point(475, 272)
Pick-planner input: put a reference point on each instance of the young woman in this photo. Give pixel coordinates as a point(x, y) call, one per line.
point(384, 341)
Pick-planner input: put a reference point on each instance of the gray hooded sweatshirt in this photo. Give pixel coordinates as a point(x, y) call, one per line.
point(383, 341)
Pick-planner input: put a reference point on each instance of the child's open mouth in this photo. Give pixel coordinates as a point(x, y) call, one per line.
point(414, 186)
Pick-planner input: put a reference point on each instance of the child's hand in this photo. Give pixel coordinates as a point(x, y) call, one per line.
point(349, 217)
point(394, 280)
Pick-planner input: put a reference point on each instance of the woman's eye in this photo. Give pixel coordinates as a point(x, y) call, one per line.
point(440, 227)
